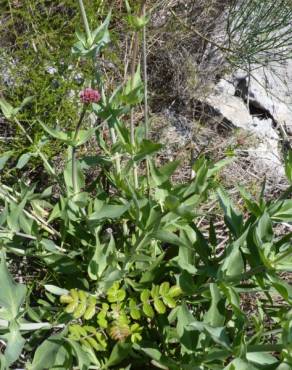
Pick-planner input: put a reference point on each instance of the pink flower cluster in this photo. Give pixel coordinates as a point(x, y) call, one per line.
point(89, 95)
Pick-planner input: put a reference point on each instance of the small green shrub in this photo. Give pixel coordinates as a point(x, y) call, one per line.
point(130, 278)
point(259, 31)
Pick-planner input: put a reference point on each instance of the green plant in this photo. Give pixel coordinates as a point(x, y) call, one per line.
point(129, 278)
point(259, 31)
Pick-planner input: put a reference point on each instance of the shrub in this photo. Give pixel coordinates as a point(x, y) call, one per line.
point(259, 31)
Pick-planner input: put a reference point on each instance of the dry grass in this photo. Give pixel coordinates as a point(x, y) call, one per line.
point(178, 56)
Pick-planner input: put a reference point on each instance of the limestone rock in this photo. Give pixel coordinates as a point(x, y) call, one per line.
point(231, 108)
point(266, 155)
point(270, 90)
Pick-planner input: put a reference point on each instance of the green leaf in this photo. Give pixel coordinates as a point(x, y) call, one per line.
point(136, 22)
point(159, 306)
point(172, 203)
point(169, 168)
point(164, 288)
point(153, 270)
point(251, 205)
point(264, 230)
point(156, 175)
point(212, 234)
point(233, 264)
point(186, 255)
point(68, 175)
point(262, 359)
point(93, 161)
point(219, 165)
point(109, 211)
point(13, 217)
point(12, 294)
point(200, 244)
point(155, 291)
point(101, 35)
point(218, 334)
point(282, 287)
point(92, 45)
point(56, 290)
point(84, 135)
point(7, 109)
point(239, 364)
point(25, 101)
point(233, 299)
point(57, 134)
point(4, 158)
point(168, 237)
point(233, 218)
point(174, 291)
point(152, 353)
point(119, 353)
point(200, 182)
point(146, 148)
point(145, 295)
point(49, 352)
point(148, 310)
point(101, 258)
point(284, 366)
point(133, 91)
point(134, 310)
point(14, 343)
point(82, 356)
point(115, 294)
point(159, 360)
point(22, 161)
point(288, 165)
point(188, 336)
point(169, 301)
point(215, 315)
point(81, 37)
point(281, 211)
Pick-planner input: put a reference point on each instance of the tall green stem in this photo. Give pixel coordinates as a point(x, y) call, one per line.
point(144, 51)
point(146, 111)
point(114, 140)
point(74, 159)
point(132, 126)
point(85, 20)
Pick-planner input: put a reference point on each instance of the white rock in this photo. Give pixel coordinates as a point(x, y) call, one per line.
point(270, 89)
point(263, 128)
point(231, 108)
point(226, 87)
point(266, 155)
point(267, 159)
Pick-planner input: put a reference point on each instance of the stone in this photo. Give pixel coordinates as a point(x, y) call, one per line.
point(270, 90)
point(265, 156)
point(230, 108)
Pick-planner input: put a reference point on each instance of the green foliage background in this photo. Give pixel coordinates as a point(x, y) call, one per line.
point(37, 37)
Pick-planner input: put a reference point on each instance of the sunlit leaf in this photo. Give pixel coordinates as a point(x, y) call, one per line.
point(12, 294)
